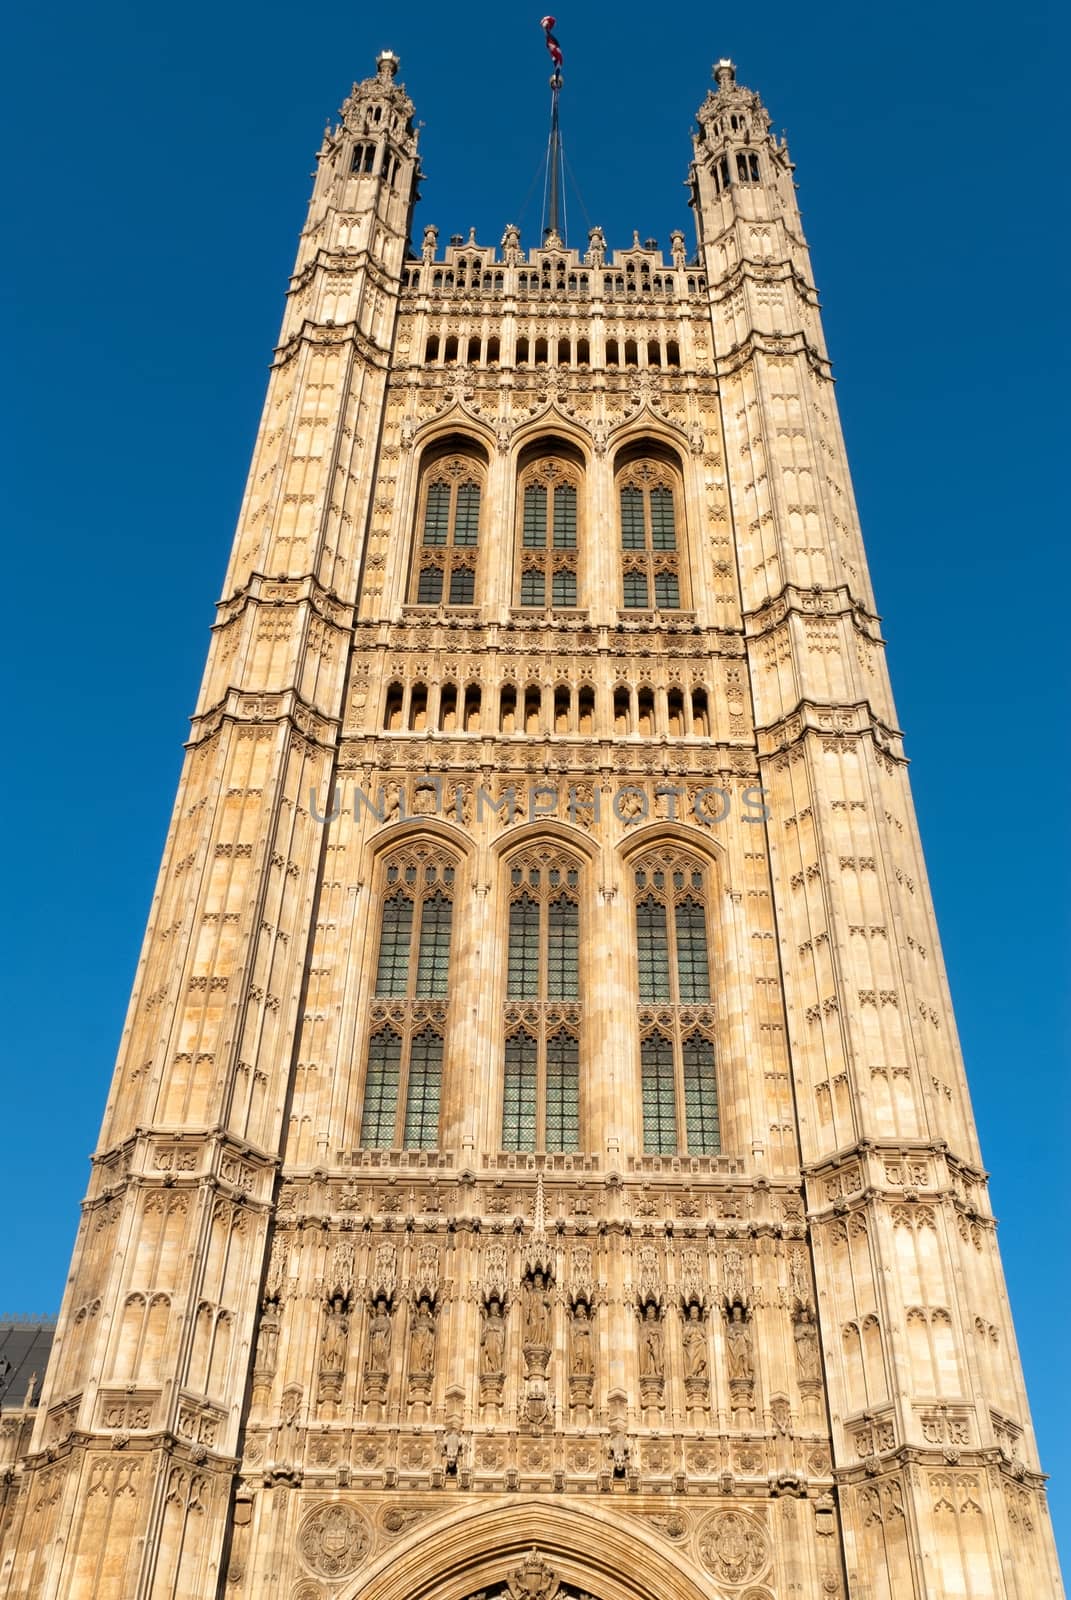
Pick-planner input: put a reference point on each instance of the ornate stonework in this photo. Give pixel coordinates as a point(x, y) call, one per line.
point(539, 1164)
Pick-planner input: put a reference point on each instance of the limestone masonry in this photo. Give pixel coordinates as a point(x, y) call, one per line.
point(539, 1164)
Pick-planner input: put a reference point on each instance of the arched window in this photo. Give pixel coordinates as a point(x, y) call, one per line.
point(650, 558)
point(547, 557)
point(449, 520)
point(543, 1011)
point(676, 1016)
point(407, 1026)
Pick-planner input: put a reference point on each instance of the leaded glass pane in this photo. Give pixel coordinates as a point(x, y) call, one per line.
point(563, 1093)
point(462, 586)
point(423, 1093)
point(562, 949)
point(693, 967)
point(659, 1109)
point(523, 980)
point(519, 1099)
point(534, 536)
point(667, 591)
point(700, 1097)
point(430, 587)
point(653, 949)
point(433, 962)
point(533, 588)
point(393, 973)
point(564, 588)
point(467, 515)
point(564, 517)
point(381, 1091)
point(632, 535)
point(437, 514)
point(663, 527)
point(635, 589)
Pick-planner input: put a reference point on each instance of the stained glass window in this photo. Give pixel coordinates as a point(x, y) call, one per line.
point(649, 538)
point(676, 1016)
point(451, 524)
point(543, 1013)
point(547, 556)
point(405, 1055)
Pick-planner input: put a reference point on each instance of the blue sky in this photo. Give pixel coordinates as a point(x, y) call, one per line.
point(159, 173)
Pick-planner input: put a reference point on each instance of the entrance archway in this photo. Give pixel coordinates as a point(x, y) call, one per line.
point(528, 1548)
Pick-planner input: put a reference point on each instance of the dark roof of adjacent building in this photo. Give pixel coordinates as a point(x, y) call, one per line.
point(25, 1344)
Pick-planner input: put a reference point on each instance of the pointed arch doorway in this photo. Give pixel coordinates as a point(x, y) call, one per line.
point(527, 1548)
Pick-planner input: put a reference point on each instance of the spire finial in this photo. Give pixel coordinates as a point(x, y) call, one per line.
point(725, 73)
point(387, 64)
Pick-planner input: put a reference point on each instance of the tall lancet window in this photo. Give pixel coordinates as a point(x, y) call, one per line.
point(543, 1011)
point(676, 1014)
point(548, 551)
point(448, 532)
point(649, 509)
point(407, 1024)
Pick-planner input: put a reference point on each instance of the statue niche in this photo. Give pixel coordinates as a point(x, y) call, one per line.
point(377, 1361)
point(581, 1355)
point(696, 1355)
point(422, 1351)
point(334, 1346)
point(492, 1352)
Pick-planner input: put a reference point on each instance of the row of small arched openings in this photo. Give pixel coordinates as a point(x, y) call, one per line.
point(612, 284)
point(545, 352)
point(536, 709)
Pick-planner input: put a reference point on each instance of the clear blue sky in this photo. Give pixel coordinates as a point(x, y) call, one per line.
point(160, 164)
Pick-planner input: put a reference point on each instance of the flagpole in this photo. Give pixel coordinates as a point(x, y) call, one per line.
point(554, 154)
point(555, 157)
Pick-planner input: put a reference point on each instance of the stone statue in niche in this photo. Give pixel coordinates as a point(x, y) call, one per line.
point(422, 1341)
point(694, 1341)
point(537, 1314)
point(808, 1359)
point(336, 1337)
point(738, 1347)
point(652, 1349)
point(287, 1439)
point(379, 1332)
point(582, 1364)
point(493, 1342)
point(268, 1338)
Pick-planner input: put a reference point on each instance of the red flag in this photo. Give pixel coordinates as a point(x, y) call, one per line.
point(553, 46)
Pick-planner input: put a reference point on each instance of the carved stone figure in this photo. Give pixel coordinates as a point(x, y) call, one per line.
point(652, 1350)
point(694, 1340)
point(583, 1361)
point(336, 1337)
point(808, 1359)
point(537, 1314)
point(422, 1342)
point(287, 1444)
point(738, 1347)
point(268, 1337)
point(379, 1332)
point(493, 1342)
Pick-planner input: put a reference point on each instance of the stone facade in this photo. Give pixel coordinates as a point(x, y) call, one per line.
point(539, 1162)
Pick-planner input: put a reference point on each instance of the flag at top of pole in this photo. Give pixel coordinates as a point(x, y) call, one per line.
point(547, 24)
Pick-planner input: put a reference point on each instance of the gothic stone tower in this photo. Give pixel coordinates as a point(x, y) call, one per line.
point(539, 1161)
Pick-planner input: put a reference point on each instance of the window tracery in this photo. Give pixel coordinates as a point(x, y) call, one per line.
point(407, 1022)
point(548, 553)
point(676, 1017)
point(449, 523)
point(650, 555)
point(543, 1010)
